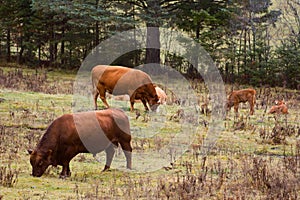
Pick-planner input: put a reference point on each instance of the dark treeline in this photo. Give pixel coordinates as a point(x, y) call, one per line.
point(252, 42)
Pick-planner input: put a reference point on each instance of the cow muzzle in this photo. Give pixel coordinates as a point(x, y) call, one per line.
point(154, 107)
point(37, 173)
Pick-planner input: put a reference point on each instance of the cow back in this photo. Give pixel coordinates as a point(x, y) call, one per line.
point(119, 80)
point(98, 129)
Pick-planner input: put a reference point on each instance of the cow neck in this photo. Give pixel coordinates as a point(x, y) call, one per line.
point(49, 140)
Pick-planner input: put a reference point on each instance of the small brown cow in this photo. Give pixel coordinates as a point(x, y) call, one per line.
point(279, 108)
point(85, 132)
point(118, 80)
point(241, 96)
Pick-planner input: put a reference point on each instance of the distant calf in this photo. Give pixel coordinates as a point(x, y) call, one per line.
point(280, 107)
point(86, 132)
point(118, 80)
point(242, 96)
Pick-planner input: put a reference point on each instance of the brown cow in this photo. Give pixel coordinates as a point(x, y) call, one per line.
point(85, 132)
point(280, 107)
point(119, 80)
point(238, 96)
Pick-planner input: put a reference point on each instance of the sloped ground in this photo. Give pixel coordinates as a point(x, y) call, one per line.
point(255, 156)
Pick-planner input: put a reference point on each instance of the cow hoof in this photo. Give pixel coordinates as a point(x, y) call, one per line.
point(106, 168)
point(64, 176)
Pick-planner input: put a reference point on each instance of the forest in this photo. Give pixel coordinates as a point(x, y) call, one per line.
point(255, 42)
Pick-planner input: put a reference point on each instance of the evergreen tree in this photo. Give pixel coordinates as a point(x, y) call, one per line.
point(76, 27)
point(206, 21)
point(287, 60)
point(252, 48)
point(8, 25)
point(154, 14)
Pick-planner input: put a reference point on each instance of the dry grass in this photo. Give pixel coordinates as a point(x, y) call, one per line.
point(256, 157)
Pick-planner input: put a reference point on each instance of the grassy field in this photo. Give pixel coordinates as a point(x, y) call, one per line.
point(255, 157)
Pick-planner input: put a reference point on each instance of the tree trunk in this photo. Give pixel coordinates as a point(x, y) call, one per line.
point(97, 32)
point(20, 57)
point(0, 48)
point(8, 52)
point(51, 46)
point(62, 48)
point(39, 53)
point(240, 53)
point(153, 36)
point(153, 44)
point(245, 49)
point(152, 49)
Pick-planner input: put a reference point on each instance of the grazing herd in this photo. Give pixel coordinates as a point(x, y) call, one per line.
point(103, 130)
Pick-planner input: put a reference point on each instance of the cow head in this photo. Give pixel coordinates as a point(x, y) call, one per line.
point(152, 97)
point(153, 102)
point(280, 102)
point(39, 161)
point(229, 104)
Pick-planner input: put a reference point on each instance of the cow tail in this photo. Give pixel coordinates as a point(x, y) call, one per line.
point(94, 84)
point(254, 98)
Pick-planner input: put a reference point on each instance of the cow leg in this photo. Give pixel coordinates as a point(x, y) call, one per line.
point(132, 98)
point(127, 149)
point(131, 105)
point(236, 109)
point(110, 152)
point(102, 92)
point(95, 94)
point(66, 172)
point(145, 104)
point(251, 104)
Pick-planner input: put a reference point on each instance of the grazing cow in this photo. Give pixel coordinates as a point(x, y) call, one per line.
point(119, 80)
point(85, 132)
point(280, 107)
point(243, 96)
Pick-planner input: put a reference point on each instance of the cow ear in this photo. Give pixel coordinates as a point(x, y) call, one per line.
point(30, 151)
